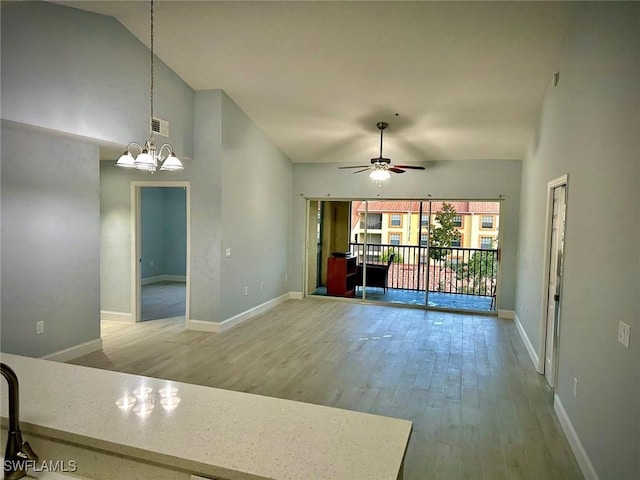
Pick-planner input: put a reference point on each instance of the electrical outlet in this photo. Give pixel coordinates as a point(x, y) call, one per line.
point(40, 327)
point(227, 252)
point(624, 332)
point(575, 387)
point(246, 290)
point(261, 285)
point(286, 277)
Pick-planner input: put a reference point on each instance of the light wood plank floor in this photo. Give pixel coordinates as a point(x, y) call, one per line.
point(479, 409)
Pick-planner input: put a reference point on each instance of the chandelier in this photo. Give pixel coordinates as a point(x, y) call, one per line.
point(149, 157)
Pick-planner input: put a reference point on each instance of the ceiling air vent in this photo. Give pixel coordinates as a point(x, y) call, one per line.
point(159, 126)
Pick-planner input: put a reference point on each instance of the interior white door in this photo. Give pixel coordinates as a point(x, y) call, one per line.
point(555, 283)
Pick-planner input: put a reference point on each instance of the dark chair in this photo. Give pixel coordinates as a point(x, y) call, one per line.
point(377, 275)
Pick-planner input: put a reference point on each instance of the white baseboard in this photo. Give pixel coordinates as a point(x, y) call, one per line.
point(75, 351)
point(203, 326)
point(507, 314)
point(163, 278)
point(528, 345)
point(576, 445)
point(110, 316)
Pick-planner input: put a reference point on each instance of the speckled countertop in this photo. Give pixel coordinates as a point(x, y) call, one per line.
point(208, 431)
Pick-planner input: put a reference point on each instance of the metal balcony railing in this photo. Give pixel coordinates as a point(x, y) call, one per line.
point(373, 226)
point(457, 270)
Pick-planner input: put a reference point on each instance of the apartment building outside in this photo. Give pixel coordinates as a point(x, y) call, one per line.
point(407, 223)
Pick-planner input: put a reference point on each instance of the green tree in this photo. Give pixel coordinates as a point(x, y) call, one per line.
point(387, 253)
point(482, 270)
point(443, 233)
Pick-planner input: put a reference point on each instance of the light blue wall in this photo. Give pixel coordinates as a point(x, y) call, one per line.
point(50, 242)
point(73, 80)
point(482, 180)
point(589, 129)
point(164, 231)
point(256, 214)
point(241, 190)
point(152, 240)
point(175, 231)
point(83, 74)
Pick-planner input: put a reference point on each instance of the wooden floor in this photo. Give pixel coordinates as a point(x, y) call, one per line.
point(479, 409)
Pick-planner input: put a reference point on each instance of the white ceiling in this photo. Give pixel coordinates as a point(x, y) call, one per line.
point(466, 79)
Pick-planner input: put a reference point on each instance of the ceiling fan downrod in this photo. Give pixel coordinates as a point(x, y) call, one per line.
point(381, 126)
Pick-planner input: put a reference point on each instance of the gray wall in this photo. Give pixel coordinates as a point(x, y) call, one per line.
point(50, 242)
point(164, 231)
point(79, 77)
point(441, 180)
point(256, 213)
point(84, 74)
point(203, 173)
point(240, 199)
point(589, 129)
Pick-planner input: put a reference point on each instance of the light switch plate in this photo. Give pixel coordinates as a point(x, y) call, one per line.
point(624, 332)
point(227, 252)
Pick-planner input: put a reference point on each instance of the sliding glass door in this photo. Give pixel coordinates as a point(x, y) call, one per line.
point(439, 254)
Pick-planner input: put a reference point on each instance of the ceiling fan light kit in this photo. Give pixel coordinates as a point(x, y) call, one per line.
point(381, 166)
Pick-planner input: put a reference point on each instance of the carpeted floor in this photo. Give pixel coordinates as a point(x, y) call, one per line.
point(163, 300)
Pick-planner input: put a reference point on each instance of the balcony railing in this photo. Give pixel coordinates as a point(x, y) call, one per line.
point(469, 271)
point(373, 226)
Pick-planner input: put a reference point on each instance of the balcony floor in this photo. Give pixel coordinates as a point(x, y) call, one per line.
point(416, 297)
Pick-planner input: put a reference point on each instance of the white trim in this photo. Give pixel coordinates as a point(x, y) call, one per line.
point(527, 343)
point(556, 182)
point(122, 317)
point(163, 278)
point(76, 351)
point(204, 326)
point(136, 282)
point(506, 314)
point(574, 441)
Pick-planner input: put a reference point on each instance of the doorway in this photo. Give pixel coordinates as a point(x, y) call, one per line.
point(161, 244)
point(425, 253)
point(555, 228)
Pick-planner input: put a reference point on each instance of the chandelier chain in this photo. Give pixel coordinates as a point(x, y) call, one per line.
point(151, 90)
point(150, 158)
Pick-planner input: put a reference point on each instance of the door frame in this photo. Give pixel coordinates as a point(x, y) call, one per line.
point(428, 200)
point(562, 180)
point(136, 245)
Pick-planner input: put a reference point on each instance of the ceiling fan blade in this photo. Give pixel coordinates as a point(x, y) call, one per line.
point(356, 166)
point(363, 170)
point(414, 167)
point(395, 170)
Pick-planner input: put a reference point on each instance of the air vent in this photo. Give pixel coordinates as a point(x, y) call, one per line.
point(159, 126)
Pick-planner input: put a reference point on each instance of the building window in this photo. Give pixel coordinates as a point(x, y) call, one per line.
point(374, 221)
point(395, 220)
point(424, 221)
point(487, 221)
point(424, 239)
point(394, 238)
point(486, 243)
point(457, 221)
point(456, 242)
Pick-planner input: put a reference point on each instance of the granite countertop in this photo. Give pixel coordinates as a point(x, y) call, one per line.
point(208, 431)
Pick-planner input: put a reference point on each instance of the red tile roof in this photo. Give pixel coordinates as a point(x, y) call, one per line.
point(408, 206)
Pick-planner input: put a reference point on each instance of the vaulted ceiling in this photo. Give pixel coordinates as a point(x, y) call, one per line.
point(454, 80)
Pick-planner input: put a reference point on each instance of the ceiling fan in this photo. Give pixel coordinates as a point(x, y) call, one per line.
point(381, 166)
